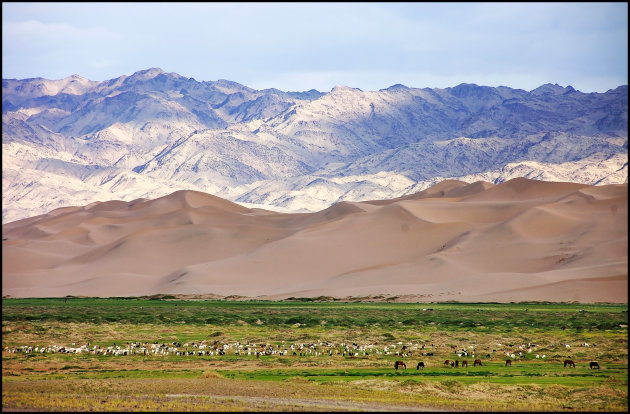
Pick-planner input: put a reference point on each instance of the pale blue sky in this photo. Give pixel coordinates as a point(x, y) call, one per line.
point(302, 46)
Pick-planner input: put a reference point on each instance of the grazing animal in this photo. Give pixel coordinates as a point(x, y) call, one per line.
point(420, 365)
point(477, 362)
point(569, 363)
point(429, 353)
point(594, 365)
point(452, 364)
point(508, 362)
point(456, 364)
point(399, 364)
point(464, 364)
point(447, 362)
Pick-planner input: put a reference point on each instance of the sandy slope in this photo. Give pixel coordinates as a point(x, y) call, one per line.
point(520, 240)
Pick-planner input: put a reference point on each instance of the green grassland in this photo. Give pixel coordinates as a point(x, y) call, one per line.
point(346, 368)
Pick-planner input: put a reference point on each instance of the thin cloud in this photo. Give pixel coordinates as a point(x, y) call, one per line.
point(30, 32)
point(302, 46)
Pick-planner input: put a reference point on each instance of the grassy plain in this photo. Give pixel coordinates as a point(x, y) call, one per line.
point(342, 381)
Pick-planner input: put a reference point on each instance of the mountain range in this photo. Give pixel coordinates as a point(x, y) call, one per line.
point(74, 141)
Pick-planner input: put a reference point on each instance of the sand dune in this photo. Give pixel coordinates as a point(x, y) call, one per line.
point(516, 241)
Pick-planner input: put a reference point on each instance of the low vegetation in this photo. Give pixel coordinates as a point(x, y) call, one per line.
point(320, 355)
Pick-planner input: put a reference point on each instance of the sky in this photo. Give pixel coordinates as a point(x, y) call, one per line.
point(302, 46)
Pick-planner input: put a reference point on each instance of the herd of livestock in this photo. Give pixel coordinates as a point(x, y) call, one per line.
point(353, 350)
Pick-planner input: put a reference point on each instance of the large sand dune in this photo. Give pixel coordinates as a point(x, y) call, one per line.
point(523, 240)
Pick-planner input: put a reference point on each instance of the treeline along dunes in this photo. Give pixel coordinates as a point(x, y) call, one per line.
point(163, 354)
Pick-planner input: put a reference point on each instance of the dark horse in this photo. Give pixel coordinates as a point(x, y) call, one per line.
point(594, 365)
point(508, 362)
point(464, 364)
point(447, 362)
point(477, 362)
point(420, 365)
point(569, 363)
point(400, 364)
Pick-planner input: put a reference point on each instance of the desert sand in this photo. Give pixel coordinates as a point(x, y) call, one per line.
point(522, 240)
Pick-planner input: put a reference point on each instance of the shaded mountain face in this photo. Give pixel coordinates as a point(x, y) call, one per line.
point(521, 240)
point(152, 133)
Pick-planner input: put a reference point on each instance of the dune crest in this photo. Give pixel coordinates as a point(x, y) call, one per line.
point(522, 240)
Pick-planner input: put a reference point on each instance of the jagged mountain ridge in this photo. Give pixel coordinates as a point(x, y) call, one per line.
point(153, 132)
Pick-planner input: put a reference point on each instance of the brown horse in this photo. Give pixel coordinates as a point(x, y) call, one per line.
point(464, 364)
point(508, 362)
point(447, 362)
point(456, 363)
point(477, 362)
point(594, 365)
point(569, 363)
point(400, 364)
point(420, 365)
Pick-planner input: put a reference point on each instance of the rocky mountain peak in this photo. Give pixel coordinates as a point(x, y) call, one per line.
point(471, 90)
point(228, 86)
point(148, 73)
point(341, 89)
point(396, 88)
point(551, 89)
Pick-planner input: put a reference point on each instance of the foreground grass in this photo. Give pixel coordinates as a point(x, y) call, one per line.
point(71, 382)
point(209, 390)
point(218, 394)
